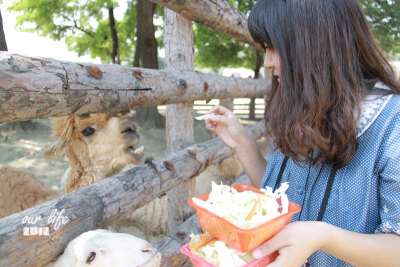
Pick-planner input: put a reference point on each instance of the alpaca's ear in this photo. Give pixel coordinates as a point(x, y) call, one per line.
point(55, 150)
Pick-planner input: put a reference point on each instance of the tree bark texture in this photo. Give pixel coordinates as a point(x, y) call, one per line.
point(24, 125)
point(216, 14)
point(178, 43)
point(146, 40)
point(115, 56)
point(3, 43)
point(146, 57)
point(33, 88)
point(179, 46)
point(102, 203)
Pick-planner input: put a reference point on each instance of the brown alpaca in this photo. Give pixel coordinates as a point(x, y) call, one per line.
point(97, 146)
point(104, 153)
point(21, 190)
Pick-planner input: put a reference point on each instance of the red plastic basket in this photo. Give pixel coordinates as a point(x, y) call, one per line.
point(242, 240)
point(199, 262)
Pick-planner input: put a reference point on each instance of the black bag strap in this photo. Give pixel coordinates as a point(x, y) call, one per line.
point(328, 189)
point(327, 194)
point(283, 166)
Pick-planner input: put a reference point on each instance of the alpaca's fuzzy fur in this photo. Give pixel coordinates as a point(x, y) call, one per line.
point(20, 190)
point(98, 156)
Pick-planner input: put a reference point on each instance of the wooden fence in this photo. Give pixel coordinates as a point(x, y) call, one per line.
point(42, 87)
point(240, 107)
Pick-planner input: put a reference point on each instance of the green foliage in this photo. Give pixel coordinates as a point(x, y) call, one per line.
point(217, 50)
point(242, 5)
point(83, 24)
point(384, 16)
point(159, 25)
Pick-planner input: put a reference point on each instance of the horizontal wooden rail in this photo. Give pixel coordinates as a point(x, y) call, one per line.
point(33, 88)
point(216, 14)
point(101, 204)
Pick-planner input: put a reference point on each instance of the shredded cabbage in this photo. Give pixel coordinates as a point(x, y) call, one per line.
point(234, 206)
point(220, 254)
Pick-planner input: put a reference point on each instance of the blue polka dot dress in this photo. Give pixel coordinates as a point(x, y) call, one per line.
point(365, 196)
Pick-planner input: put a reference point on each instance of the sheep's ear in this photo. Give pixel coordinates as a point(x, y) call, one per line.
point(55, 150)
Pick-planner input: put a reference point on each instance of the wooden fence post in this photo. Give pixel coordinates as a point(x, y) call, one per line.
point(178, 43)
point(102, 203)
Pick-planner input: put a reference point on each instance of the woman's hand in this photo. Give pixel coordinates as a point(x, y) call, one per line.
point(232, 132)
point(295, 243)
point(226, 126)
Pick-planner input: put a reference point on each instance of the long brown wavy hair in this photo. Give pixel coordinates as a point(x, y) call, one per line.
point(329, 62)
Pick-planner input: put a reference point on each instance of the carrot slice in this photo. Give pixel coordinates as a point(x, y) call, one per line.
point(253, 210)
point(212, 242)
point(205, 236)
point(202, 243)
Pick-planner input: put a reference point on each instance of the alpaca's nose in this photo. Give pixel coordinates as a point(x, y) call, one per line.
point(129, 128)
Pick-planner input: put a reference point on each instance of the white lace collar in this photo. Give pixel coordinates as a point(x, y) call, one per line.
point(370, 108)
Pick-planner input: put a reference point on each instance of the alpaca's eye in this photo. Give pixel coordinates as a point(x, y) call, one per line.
point(146, 250)
point(88, 131)
point(91, 257)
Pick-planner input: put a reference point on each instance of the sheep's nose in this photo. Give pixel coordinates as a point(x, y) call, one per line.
point(129, 128)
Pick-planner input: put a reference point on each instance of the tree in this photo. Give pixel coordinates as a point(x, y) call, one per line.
point(90, 27)
point(3, 43)
point(384, 15)
point(146, 57)
point(217, 50)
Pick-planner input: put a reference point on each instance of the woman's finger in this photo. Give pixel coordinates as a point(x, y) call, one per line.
point(281, 260)
point(270, 246)
point(220, 119)
point(210, 125)
point(219, 110)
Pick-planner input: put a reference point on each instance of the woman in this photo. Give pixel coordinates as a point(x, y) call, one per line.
point(333, 117)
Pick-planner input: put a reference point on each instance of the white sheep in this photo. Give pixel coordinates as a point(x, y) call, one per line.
point(104, 248)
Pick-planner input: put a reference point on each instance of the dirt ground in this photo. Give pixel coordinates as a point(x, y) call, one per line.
point(22, 149)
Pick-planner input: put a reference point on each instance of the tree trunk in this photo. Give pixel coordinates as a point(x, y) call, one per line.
point(115, 56)
point(3, 43)
point(146, 57)
point(252, 105)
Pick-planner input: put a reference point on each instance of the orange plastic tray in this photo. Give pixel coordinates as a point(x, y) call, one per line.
point(199, 262)
point(242, 240)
